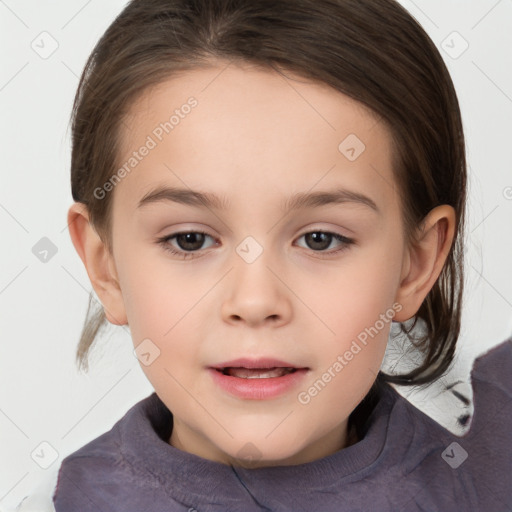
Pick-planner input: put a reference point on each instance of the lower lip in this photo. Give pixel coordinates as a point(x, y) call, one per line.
point(258, 389)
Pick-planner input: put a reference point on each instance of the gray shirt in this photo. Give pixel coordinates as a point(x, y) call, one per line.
point(403, 461)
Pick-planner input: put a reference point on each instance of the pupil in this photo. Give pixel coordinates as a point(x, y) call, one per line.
point(187, 239)
point(316, 238)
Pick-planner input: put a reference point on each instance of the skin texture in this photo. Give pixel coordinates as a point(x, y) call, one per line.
point(255, 138)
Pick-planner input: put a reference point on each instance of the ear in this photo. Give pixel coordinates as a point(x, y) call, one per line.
point(98, 262)
point(424, 261)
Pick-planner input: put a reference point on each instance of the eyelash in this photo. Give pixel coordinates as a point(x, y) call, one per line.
point(164, 242)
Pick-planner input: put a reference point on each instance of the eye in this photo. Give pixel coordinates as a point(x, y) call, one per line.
point(188, 242)
point(320, 240)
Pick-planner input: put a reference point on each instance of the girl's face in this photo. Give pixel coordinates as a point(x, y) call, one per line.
point(280, 161)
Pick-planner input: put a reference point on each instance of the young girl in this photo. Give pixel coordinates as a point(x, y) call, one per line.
point(262, 189)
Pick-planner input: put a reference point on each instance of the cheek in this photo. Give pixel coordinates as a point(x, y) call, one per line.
point(161, 310)
point(357, 294)
point(154, 299)
point(163, 304)
point(360, 313)
point(357, 307)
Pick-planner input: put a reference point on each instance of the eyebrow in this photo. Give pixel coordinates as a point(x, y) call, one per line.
point(295, 202)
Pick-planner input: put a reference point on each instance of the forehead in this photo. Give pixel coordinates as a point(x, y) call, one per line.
point(253, 129)
point(239, 88)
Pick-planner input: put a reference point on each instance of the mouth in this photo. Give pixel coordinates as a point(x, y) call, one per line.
point(261, 368)
point(257, 379)
point(256, 373)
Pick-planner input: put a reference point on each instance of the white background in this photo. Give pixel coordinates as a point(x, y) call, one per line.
point(42, 305)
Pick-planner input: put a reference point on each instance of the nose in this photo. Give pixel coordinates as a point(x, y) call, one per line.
point(255, 295)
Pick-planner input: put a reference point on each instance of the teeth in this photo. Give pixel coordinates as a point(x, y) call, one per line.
point(257, 373)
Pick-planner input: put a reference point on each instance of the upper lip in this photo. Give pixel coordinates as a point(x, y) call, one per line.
point(263, 362)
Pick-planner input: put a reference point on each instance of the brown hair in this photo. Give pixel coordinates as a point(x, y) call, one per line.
point(374, 51)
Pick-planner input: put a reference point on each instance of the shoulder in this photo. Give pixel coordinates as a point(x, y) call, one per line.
point(491, 386)
point(491, 381)
point(472, 469)
point(437, 469)
point(487, 392)
point(81, 473)
point(491, 428)
point(98, 472)
point(492, 370)
point(487, 447)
